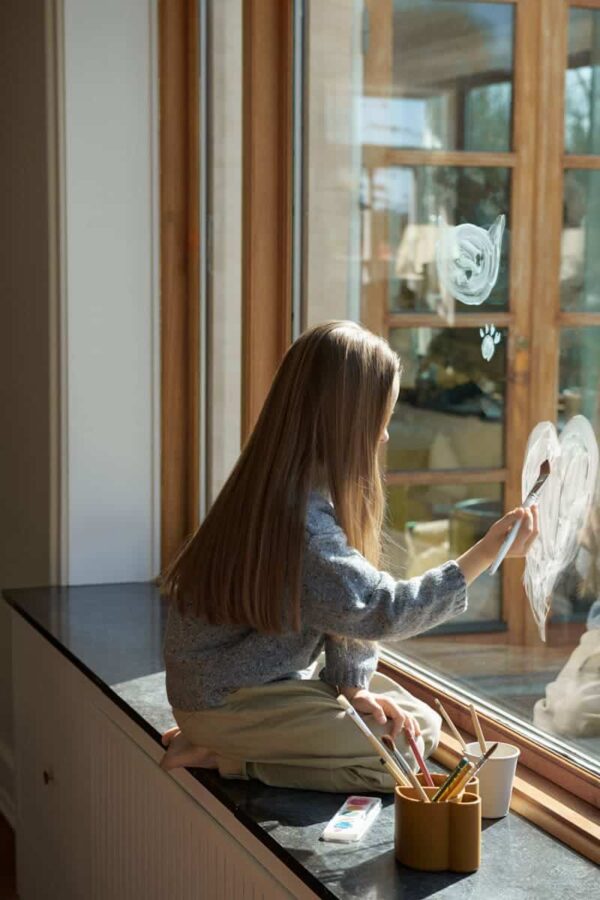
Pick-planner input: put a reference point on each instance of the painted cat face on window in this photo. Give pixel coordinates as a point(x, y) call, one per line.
point(468, 260)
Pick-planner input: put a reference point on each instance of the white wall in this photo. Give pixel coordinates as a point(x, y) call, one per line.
point(79, 414)
point(110, 462)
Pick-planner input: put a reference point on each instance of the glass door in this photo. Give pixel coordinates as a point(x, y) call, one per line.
point(423, 117)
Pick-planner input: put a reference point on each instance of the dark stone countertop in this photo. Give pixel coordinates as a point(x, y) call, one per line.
point(113, 633)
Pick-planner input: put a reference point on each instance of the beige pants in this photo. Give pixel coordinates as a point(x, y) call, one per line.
point(294, 734)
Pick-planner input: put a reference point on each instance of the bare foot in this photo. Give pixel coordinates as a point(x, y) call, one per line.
point(169, 735)
point(180, 752)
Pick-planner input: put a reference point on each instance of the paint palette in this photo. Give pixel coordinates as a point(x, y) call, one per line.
point(352, 820)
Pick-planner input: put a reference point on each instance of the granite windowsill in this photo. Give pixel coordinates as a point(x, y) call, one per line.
point(113, 633)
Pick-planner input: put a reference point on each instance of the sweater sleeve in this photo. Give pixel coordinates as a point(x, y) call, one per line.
point(346, 596)
point(349, 663)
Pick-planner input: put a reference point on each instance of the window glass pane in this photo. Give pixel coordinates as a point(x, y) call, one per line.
point(451, 78)
point(375, 88)
point(411, 200)
point(579, 378)
point(450, 411)
point(582, 97)
point(580, 260)
point(430, 524)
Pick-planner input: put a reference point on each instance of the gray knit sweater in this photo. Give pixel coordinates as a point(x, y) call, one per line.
point(343, 594)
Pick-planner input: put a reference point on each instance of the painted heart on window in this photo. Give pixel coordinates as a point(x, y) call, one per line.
point(563, 505)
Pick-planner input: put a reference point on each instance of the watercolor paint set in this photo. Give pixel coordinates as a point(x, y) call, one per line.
point(352, 820)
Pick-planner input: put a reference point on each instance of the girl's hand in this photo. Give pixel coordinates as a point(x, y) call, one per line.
point(526, 535)
point(484, 552)
point(382, 709)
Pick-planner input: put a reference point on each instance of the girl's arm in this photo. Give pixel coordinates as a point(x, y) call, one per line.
point(480, 557)
point(349, 663)
point(344, 595)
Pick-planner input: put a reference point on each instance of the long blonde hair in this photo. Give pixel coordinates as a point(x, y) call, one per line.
point(320, 427)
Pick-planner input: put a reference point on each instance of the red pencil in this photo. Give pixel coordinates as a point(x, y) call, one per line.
point(417, 755)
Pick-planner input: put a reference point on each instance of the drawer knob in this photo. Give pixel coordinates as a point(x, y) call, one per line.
point(48, 776)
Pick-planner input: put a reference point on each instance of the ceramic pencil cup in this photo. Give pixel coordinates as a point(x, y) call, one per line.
point(472, 786)
point(437, 837)
point(496, 778)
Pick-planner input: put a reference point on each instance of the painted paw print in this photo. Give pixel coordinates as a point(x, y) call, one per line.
point(490, 339)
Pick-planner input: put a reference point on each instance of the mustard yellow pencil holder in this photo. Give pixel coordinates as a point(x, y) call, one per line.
point(437, 837)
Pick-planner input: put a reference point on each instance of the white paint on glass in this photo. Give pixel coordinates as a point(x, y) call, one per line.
point(564, 504)
point(490, 338)
point(468, 260)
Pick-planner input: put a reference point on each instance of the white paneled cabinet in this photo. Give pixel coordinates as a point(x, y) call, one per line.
point(97, 819)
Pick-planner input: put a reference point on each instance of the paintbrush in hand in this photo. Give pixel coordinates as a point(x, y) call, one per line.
point(532, 497)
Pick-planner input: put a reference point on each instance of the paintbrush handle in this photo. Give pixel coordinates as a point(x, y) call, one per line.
point(403, 764)
point(412, 777)
point(450, 724)
point(477, 727)
point(511, 536)
point(506, 545)
point(387, 758)
point(461, 782)
point(417, 755)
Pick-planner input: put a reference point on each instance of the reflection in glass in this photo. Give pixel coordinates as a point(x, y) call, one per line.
point(580, 260)
point(409, 200)
point(451, 83)
point(450, 410)
point(430, 524)
point(582, 83)
point(370, 249)
point(579, 375)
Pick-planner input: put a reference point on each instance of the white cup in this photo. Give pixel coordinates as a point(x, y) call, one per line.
point(496, 777)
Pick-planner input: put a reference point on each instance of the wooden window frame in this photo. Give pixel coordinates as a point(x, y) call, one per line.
point(267, 198)
point(178, 48)
point(266, 236)
point(559, 796)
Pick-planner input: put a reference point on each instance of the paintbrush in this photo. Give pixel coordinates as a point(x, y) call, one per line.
point(452, 779)
point(477, 727)
point(470, 773)
point(532, 497)
point(450, 724)
point(388, 740)
point(388, 760)
point(418, 757)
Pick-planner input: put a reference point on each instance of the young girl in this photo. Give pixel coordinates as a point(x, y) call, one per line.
point(284, 569)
